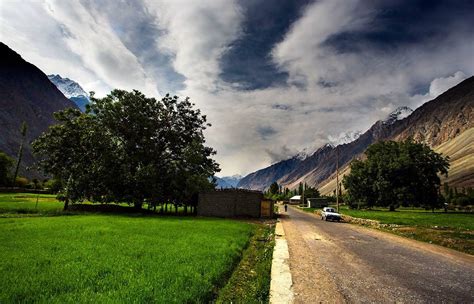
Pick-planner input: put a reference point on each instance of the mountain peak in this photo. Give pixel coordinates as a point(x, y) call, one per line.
point(71, 90)
point(398, 114)
point(68, 87)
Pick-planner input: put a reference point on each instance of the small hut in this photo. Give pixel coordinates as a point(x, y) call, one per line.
point(295, 200)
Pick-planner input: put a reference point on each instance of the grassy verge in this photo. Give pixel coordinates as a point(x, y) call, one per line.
point(250, 282)
point(454, 230)
point(116, 257)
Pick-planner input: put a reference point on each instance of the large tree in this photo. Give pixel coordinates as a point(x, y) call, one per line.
point(129, 148)
point(397, 173)
point(6, 163)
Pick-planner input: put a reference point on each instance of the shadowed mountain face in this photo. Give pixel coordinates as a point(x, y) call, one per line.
point(26, 94)
point(434, 123)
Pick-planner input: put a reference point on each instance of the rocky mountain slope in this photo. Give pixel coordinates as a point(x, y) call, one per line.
point(436, 122)
point(71, 90)
point(26, 94)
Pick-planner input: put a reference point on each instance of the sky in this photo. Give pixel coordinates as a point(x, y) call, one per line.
point(273, 77)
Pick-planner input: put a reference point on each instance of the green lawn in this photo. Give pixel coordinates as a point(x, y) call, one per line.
point(114, 258)
point(26, 203)
point(416, 217)
point(452, 230)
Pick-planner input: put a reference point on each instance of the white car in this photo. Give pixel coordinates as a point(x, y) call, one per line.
point(330, 213)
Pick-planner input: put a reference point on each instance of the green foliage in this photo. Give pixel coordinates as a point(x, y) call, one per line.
point(453, 197)
point(6, 164)
point(129, 148)
point(117, 258)
point(54, 185)
point(274, 188)
point(21, 182)
point(397, 173)
point(311, 192)
point(23, 130)
point(250, 282)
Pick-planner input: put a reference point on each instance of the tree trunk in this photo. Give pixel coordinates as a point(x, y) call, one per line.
point(18, 162)
point(185, 209)
point(138, 205)
point(392, 208)
point(66, 204)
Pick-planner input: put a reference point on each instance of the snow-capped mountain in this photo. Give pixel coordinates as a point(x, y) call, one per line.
point(71, 90)
point(344, 138)
point(398, 114)
point(228, 181)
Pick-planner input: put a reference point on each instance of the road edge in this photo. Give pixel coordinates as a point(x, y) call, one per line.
point(281, 283)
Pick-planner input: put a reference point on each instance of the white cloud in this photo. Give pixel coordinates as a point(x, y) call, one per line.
point(80, 41)
point(197, 33)
point(92, 39)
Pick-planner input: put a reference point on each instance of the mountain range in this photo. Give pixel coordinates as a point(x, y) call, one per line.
point(26, 95)
point(441, 123)
point(228, 181)
point(71, 90)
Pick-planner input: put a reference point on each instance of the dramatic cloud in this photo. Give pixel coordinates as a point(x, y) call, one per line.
point(273, 77)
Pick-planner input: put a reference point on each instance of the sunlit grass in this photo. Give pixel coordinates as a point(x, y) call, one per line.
point(117, 258)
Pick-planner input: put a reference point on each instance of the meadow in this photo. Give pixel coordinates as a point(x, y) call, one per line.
point(99, 258)
point(454, 230)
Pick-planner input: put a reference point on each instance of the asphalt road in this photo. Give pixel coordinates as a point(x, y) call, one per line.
point(343, 263)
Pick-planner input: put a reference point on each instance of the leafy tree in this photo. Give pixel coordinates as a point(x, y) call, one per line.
point(273, 188)
point(300, 188)
point(21, 182)
point(6, 163)
point(397, 173)
point(23, 129)
point(129, 148)
point(311, 192)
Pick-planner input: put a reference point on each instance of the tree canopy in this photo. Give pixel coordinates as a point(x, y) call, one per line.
point(129, 148)
point(6, 164)
point(397, 173)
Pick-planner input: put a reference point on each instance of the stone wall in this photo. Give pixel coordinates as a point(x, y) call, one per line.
point(230, 203)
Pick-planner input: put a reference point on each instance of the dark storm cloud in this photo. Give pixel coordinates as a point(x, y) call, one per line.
point(265, 132)
point(248, 64)
point(396, 24)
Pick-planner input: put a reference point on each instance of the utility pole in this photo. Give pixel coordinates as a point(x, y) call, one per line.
point(337, 177)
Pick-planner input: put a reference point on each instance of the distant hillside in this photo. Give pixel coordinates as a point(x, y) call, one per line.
point(26, 94)
point(436, 122)
point(228, 181)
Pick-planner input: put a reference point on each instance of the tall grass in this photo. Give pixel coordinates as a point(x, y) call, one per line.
point(117, 258)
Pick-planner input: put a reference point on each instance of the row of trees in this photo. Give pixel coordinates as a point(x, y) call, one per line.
point(397, 174)
point(279, 193)
point(458, 197)
point(129, 148)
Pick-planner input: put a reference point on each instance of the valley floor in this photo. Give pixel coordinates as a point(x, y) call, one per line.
point(49, 257)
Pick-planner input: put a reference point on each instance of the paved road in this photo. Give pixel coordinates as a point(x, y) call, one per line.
point(344, 263)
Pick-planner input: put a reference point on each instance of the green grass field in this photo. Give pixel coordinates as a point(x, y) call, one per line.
point(453, 229)
point(416, 217)
point(25, 203)
point(114, 258)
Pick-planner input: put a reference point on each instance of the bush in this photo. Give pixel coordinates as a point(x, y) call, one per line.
point(54, 185)
point(21, 182)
